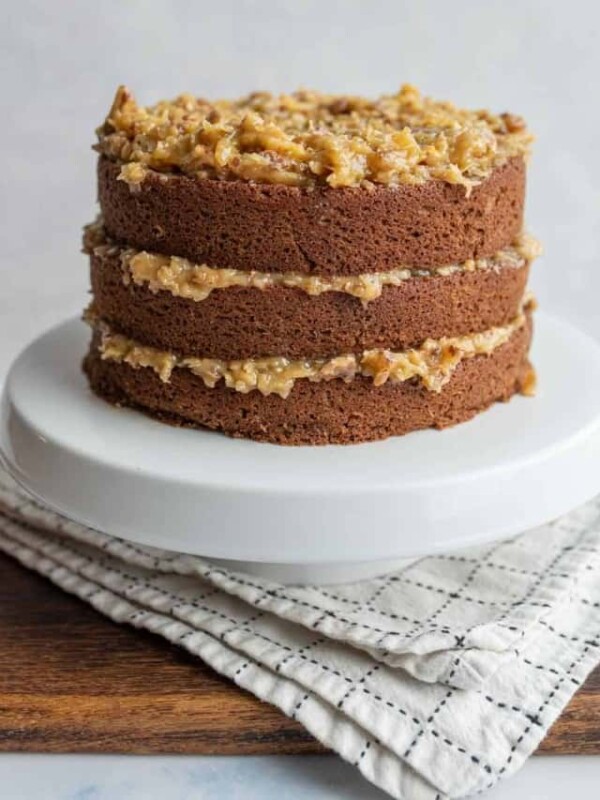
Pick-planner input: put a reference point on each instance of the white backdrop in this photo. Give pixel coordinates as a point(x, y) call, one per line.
point(61, 61)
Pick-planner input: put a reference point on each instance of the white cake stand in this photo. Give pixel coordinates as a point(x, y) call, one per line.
point(318, 514)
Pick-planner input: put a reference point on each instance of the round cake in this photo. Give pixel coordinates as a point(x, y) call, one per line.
point(309, 268)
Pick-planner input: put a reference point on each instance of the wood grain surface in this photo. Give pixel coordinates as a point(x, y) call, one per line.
point(72, 681)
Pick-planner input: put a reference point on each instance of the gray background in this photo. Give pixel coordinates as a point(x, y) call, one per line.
point(61, 61)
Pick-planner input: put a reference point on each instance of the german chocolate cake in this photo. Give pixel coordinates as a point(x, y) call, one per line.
point(309, 268)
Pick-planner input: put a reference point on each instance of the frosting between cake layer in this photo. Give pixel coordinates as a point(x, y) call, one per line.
point(432, 364)
point(186, 279)
point(307, 138)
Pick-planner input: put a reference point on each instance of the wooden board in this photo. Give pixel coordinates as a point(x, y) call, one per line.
point(72, 681)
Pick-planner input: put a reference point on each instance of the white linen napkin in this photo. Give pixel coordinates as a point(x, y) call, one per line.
point(436, 680)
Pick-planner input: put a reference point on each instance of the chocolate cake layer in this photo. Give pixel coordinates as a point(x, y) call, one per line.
point(321, 230)
point(318, 413)
point(241, 322)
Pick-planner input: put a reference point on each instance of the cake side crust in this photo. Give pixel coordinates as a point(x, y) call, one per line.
point(240, 322)
point(320, 231)
point(319, 413)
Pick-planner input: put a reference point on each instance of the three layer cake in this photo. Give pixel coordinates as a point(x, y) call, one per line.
point(308, 268)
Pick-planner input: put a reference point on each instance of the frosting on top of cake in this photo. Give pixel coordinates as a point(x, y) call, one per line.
point(308, 138)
